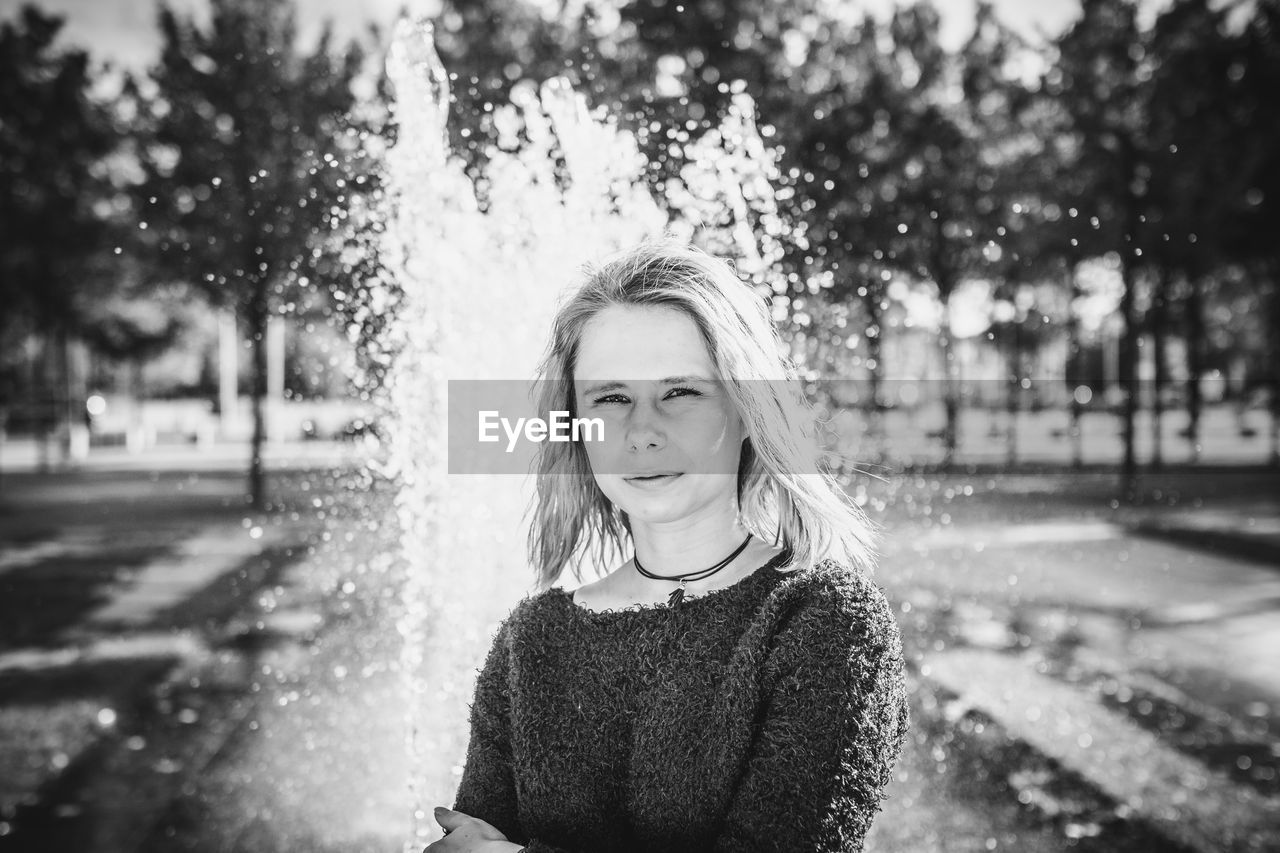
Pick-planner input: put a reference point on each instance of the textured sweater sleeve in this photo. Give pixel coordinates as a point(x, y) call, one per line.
point(833, 724)
point(487, 790)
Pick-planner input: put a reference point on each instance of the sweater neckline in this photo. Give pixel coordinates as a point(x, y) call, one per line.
point(689, 603)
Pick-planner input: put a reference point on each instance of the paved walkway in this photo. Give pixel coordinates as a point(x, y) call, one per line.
point(1133, 648)
point(284, 722)
point(1191, 803)
point(106, 604)
point(958, 786)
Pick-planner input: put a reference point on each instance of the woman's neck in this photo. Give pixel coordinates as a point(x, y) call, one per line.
point(669, 551)
point(669, 556)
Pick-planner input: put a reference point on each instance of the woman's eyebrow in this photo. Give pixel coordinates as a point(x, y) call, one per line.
point(670, 380)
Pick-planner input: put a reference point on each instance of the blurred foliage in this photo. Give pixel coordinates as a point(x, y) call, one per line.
point(903, 160)
point(62, 274)
point(240, 136)
point(53, 137)
point(901, 163)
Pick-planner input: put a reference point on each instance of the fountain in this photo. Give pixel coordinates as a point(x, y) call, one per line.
point(480, 285)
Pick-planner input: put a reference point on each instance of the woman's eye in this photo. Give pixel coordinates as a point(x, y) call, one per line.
point(618, 398)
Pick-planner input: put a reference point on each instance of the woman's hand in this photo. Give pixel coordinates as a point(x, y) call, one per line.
point(467, 834)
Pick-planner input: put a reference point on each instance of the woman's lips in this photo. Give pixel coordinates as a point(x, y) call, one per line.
point(653, 482)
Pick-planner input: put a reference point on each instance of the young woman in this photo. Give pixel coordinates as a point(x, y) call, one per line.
point(737, 685)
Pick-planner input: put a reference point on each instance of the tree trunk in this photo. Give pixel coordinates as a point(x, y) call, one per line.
point(1013, 395)
point(950, 402)
point(1195, 363)
point(1129, 334)
point(1273, 334)
point(258, 332)
point(944, 277)
point(136, 438)
point(950, 394)
point(1073, 370)
point(874, 373)
point(66, 403)
point(41, 403)
point(1128, 380)
point(1157, 352)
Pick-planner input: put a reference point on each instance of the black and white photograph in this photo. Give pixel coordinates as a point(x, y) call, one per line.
point(640, 426)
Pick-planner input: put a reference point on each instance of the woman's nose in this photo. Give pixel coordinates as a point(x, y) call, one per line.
point(644, 428)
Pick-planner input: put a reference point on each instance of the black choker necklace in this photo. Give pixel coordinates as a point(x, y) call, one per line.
point(677, 594)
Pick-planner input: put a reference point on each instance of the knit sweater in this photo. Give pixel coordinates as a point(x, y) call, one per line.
point(765, 716)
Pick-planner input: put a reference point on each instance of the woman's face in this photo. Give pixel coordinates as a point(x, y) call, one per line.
point(646, 373)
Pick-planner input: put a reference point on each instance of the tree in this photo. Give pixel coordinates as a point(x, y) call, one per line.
point(979, 175)
point(1201, 165)
point(844, 160)
point(490, 45)
point(1100, 80)
point(1255, 220)
point(1047, 237)
point(59, 279)
point(911, 172)
point(242, 152)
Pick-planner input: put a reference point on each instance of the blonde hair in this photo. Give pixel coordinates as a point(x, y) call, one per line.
point(810, 513)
